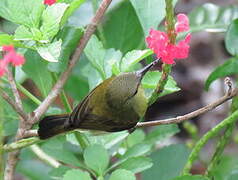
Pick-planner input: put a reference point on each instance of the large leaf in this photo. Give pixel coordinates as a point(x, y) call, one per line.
point(212, 18)
point(96, 158)
point(76, 174)
point(36, 69)
point(149, 12)
point(167, 163)
point(51, 18)
point(122, 174)
point(25, 12)
point(70, 37)
point(228, 68)
point(231, 39)
point(122, 29)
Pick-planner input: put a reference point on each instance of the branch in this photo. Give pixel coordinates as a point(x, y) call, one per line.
point(11, 164)
point(75, 57)
point(7, 98)
point(230, 94)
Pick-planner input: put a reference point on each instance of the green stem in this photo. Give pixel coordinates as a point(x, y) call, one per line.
point(25, 92)
point(213, 132)
point(63, 97)
point(222, 142)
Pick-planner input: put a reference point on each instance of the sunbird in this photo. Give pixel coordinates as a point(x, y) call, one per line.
point(116, 104)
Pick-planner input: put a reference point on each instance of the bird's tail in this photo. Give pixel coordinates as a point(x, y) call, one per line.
point(52, 125)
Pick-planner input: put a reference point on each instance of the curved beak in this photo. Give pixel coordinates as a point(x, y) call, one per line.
point(140, 73)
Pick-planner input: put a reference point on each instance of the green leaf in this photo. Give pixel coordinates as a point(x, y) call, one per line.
point(122, 29)
point(228, 68)
point(24, 12)
point(188, 177)
point(6, 39)
point(76, 174)
point(23, 33)
point(59, 172)
point(136, 164)
point(70, 10)
point(233, 177)
point(95, 53)
point(70, 37)
point(151, 80)
point(50, 52)
point(136, 137)
point(212, 18)
point(122, 174)
point(161, 132)
point(231, 39)
point(168, 163)
point(96, 158)
point(56, 147)
point(36, 69)
point(51, 18)
point(148, 13)
point(133, 57)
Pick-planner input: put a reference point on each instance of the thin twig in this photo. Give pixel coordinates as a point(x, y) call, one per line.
point(14, 90)
point(7, 98)
point(75, 57)
point(193, 114)
point(30, 133)
point(11, 165)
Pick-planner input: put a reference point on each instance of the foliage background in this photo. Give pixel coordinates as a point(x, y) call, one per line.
point(168, 155)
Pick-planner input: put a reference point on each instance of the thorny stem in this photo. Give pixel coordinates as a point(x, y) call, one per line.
point(213, 132)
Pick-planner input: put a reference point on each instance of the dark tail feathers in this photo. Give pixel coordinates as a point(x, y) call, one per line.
point(52, 125)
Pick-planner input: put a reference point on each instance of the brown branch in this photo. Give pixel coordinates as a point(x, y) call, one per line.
point(230, 94)
point(7, 98)
point(11, 164)
point(30, 133)
point(75, 57)
point(14, 90)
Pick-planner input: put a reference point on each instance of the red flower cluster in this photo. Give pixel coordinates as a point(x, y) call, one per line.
point(49, 2)
point(10, 57)
point(158, 41)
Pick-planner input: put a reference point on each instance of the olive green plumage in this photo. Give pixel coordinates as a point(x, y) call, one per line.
point(116, 104)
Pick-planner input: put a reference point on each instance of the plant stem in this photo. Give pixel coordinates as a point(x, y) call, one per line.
point(213, 132)
point(25, 92)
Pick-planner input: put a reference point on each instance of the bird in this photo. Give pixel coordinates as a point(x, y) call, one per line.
point(117, 104)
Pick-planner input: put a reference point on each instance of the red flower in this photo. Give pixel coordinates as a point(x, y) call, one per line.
point(49, 2)
point(159, 42)
point(11, 56)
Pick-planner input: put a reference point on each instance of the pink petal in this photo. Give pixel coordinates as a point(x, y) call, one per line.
point(8, 48)
point(3, 67)
point(49, 2)
point(182, 23)
point(14, 58)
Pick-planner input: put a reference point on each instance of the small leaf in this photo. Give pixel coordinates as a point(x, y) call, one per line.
point(137, 164)
point(122, 174)
point(59, 172)
point(161, 133)
point(136, 137)
point(188, 177)
point(151, 80)
point(231, 39)
point(6, 39)
point(23, 33)
point(51, 18)
point(70, 37)
point(36, 69)
point(50, 52)
point(96, 158)
point(133, 57)
point(230, 67)
point(76, 174)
